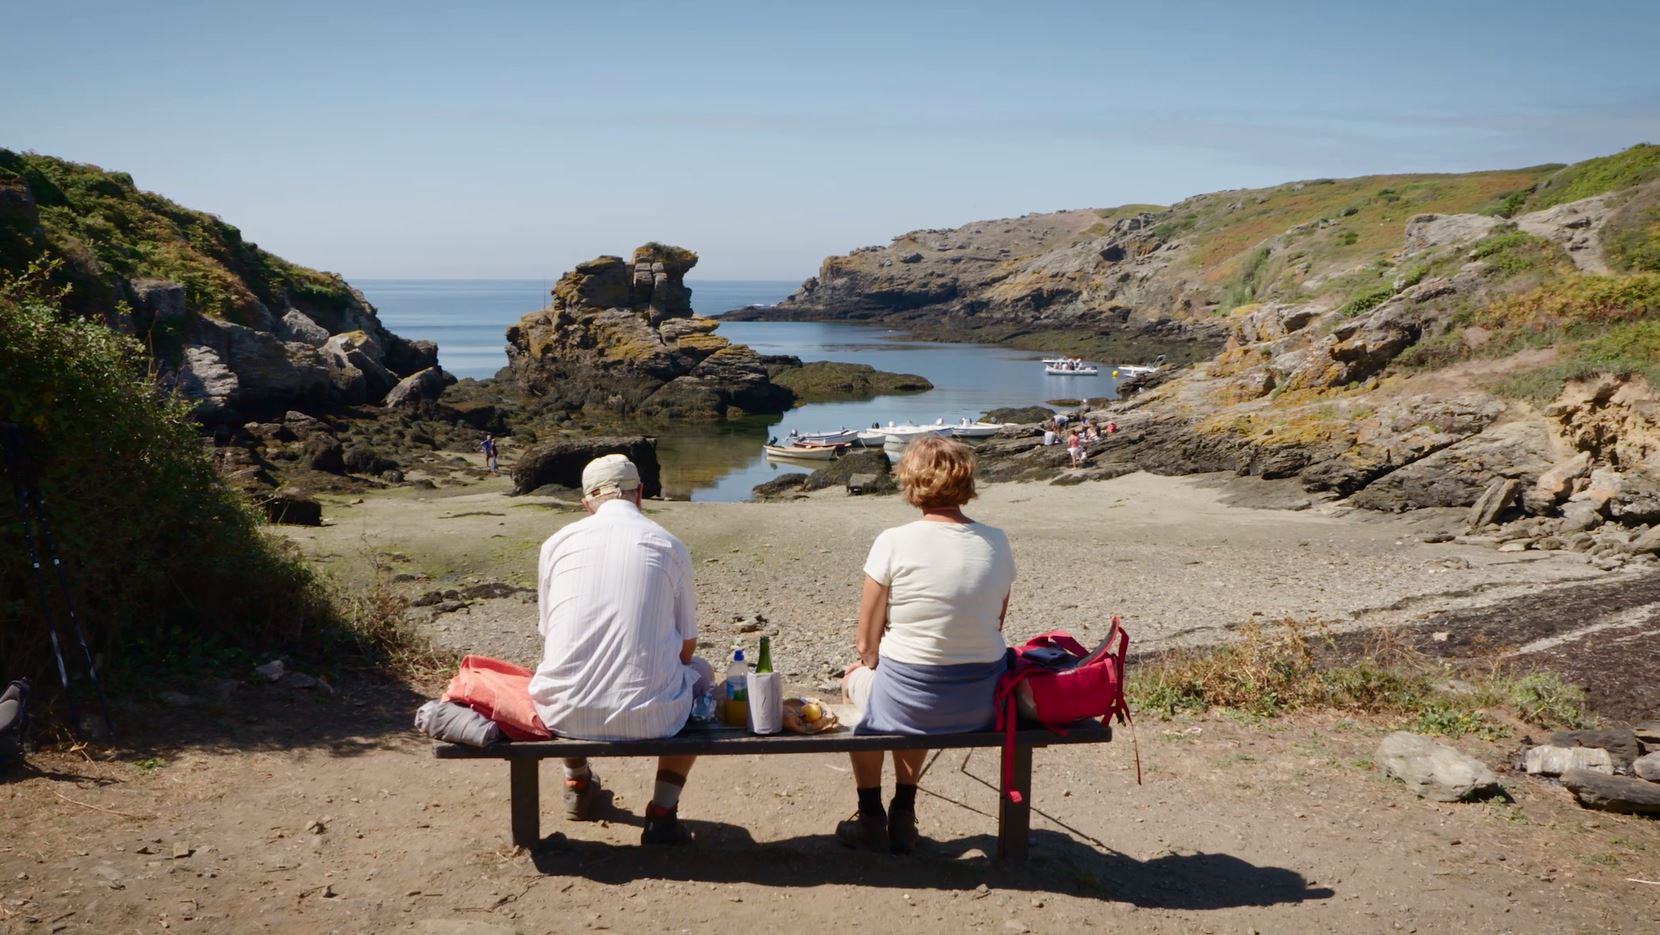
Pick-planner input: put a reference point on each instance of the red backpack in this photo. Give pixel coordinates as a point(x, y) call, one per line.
point(1055, 681)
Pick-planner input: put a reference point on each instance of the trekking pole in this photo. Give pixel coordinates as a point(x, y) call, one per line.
point(31, 509)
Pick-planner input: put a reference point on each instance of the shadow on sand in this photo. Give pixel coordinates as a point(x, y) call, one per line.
point(1059, 864)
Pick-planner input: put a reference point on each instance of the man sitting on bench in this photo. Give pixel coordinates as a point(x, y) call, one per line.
point(615, 603)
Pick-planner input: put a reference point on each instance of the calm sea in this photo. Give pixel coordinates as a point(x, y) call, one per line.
point(723, 461)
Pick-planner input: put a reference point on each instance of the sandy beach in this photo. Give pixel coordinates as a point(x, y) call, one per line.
point(259, 807)
point(1170, 555)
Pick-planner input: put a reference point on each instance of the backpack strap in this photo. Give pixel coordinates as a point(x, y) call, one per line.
point(1008, 721)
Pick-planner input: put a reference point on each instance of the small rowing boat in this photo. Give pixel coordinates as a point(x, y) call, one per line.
point(904, 434)
point(872, 437)
point(803, 452)
point(842, 436)
point(967, 429)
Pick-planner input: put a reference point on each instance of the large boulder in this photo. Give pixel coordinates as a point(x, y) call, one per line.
point(869, 461)
point(1434, 770)
point(1623, 794)
point(354, 362)
point(301, 328)
point(208, 382)
point(1620, 743)
point(1458, 474)
point(779, 486)
point(158, 301)
point(561, 462)
point(407, 358)
point(424, 386)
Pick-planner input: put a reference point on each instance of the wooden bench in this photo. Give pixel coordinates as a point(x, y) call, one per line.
point(1013, 820)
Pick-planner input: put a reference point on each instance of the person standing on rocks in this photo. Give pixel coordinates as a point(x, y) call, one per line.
point(1075, 447)
point(488, 446)
point(615, 607)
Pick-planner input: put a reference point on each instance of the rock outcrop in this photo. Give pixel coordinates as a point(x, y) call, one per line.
point(242, 334)
point(1094, 271)
point(561, 462)
point(620, 337)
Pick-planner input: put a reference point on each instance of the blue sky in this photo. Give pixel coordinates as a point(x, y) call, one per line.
point(415, 139)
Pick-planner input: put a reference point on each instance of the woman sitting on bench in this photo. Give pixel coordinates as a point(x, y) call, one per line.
point(929, 636)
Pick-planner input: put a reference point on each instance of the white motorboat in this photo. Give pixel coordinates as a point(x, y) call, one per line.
point(1135, 370)
point(803, 452)
point(872, 437)
point(843, 436)
point(1063, 371)
point(967, 429)
point(904, 434)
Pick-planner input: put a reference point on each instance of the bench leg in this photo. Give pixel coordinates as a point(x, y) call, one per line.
point(1014, 820)
point(527, 803)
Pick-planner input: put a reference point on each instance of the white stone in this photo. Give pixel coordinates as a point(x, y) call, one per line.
point(1546, 760)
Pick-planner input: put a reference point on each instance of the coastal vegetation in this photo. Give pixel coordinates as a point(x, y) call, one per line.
point(166, 565)
point(1270, 671)
point(106, 230)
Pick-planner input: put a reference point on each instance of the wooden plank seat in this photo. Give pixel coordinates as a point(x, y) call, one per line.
point(524, 758)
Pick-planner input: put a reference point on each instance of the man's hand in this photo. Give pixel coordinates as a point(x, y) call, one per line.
point(687, 649)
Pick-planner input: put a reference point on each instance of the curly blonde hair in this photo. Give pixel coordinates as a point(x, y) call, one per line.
point(936, 472)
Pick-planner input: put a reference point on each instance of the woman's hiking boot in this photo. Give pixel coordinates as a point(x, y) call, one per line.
point(864, 832)
point(902, 833)
point(579, 798)
point(663, 826)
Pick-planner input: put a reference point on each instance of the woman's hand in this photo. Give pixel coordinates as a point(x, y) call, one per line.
point(873, 619)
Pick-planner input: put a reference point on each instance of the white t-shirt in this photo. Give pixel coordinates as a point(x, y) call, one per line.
point(616, 605)
point(946, 584)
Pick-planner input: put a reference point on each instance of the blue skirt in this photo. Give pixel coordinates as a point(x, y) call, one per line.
point(917, 699)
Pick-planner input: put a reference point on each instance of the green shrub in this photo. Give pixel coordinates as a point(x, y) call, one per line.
point(1508, 205)
point(1164, 230)
point(1623, 169)
point(1348, 238)
point(1576, 303)
point(1249, 285)
point(1365, 301)
point(157, 550)
point(1631, 238)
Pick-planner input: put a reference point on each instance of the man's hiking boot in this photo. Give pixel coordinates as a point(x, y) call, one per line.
point(663, 826)
point(579, 798)
point(864, 832)
point(902, 833)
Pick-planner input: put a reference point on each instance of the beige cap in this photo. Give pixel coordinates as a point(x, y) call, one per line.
point(609, 473)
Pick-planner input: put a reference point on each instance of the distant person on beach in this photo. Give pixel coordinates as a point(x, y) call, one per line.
point(615, 607)
point(929, 636)
point(488, 446)
point(1075, 447)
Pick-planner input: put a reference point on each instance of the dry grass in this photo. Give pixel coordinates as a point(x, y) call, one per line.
point(1285, 668)
point(375, 617)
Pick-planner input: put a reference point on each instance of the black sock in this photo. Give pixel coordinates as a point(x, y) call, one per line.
point(904, 798)
point(870, 802)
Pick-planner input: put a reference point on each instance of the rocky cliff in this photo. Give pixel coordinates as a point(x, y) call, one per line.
point(244, 334)
point(620, 337)
point(1131, 282)
point(1506, 362)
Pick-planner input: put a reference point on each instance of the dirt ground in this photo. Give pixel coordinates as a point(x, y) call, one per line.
point(261, 807)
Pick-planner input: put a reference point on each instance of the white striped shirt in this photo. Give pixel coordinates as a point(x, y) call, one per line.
point(616, 605)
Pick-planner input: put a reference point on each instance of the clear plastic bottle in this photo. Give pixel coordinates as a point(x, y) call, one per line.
point(737, 690)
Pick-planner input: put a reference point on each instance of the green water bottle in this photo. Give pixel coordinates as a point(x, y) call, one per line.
point(764, 664)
